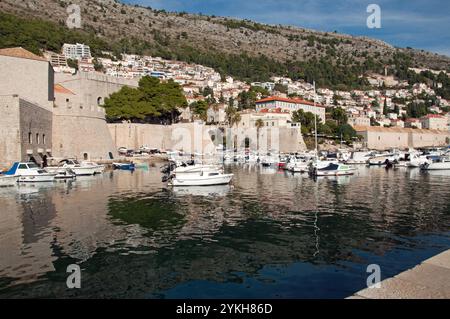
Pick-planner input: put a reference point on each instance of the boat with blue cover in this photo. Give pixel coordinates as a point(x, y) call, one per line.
point(30, 173)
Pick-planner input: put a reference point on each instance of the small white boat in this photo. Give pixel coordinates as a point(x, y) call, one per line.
point(79, 169)
point(30, 173)
point(383, 159)
point(334, 170)
point(202, 179)
point(442, 164)
point(195, 169)
point(319, 164)
point(65, 174)
point(8, 180)
point(357, 158)
point(99, 169)
point(300, 167)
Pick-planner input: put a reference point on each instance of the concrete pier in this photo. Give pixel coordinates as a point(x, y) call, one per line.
point(429, 280)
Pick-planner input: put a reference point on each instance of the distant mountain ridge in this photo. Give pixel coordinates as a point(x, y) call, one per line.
point(193, 37)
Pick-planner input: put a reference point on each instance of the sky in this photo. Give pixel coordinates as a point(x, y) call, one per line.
point(420, 24)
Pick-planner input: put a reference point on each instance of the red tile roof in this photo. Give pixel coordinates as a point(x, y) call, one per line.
point(61, 89)
point(283, 99)
point(21, 53)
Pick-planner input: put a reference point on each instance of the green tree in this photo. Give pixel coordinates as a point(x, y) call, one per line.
point(306, 119)
point(152, 102)
point(233, 116)
point(281, 88)
point(339, 115)
point(200, 108)
point(347, 132)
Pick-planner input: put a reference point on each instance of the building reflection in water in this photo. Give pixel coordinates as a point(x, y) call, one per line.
point(152, 238)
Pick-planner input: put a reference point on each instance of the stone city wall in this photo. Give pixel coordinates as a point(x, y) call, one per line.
point(187, 137)
point(81, 132)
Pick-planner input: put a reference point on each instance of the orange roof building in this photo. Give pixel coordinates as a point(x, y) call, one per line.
point(291, 105)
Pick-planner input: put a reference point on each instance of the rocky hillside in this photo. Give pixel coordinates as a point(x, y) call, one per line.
point(169, 34)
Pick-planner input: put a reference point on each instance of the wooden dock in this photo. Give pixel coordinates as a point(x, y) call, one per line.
point(429, 280)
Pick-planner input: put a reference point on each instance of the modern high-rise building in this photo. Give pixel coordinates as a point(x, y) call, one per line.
point(76, 51)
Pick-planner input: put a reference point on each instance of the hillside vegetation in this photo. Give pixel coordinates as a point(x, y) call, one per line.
point(244, 49)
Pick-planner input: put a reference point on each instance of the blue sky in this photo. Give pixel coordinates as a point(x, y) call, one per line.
point(421, 24)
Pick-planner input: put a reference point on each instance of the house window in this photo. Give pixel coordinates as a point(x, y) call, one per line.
point(30, 138)
point(37, 138)
point(43, 139)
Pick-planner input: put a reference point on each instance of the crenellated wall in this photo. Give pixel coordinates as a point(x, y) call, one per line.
point(92, 88)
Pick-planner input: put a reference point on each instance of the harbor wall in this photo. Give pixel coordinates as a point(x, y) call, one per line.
point(81, 133)
point(79, 128)
point(384, 138)
point(195, 137)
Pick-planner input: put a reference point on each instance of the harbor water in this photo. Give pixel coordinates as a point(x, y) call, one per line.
point(271, 234)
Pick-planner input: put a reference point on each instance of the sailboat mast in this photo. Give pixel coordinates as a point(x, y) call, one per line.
point(315, 120)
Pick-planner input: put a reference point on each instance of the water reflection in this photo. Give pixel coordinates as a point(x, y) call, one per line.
point(134, 237)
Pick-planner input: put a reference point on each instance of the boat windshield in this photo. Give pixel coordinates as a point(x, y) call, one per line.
point(331, 167)
point(32, 165)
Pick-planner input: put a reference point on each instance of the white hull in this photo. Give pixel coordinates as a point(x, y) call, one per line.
point(37, 178)
point(417, 162)
point(83, 171)
point(437, 166)
point(8, 180)
point(334, 173)
point(202, 180)
point(300, 168)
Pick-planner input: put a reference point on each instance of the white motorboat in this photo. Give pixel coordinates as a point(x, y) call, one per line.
point(334, 170)
point(8, 180)
point(195, 169)
point(269, 160)
point(319, 164)
point(30, 173)
point(99, 169)
point(65, 174)
point(383, 159)
point(300, 167)
point(358, 158)
point(442, 164)
point(417, 160)
point(79, 169)
point(203, 179)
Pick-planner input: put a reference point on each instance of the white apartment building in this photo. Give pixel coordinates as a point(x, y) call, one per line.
point(76, 51)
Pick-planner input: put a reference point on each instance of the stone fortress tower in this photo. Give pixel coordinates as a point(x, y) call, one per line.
point(41, 118)
point(79, 127)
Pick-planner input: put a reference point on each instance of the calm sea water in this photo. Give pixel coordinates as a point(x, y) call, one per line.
point(269, 235)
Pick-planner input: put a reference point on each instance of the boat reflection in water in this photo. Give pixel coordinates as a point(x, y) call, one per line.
point(216, 190)
point(266, 235)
